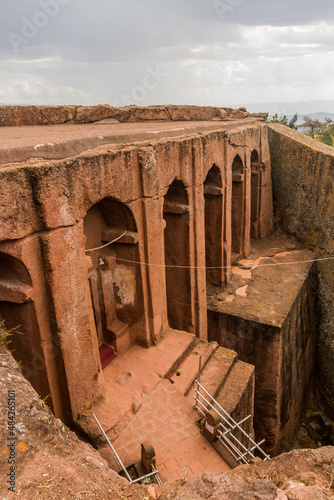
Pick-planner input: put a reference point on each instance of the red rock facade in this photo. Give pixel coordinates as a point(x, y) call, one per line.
point(190, 201)
point(181, 209)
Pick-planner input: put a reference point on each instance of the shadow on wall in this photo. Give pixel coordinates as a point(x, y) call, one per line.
point(177, 253)
point(17, 310)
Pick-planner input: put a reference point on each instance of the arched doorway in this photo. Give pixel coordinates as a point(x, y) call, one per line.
point(214, 226)
point(176, 215)
point(17, 311)
point(238, 204)
point(114, 276)
point(255, 194)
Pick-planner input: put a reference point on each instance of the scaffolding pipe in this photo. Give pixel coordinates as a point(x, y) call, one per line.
point(239, 423)
point(222, 436)
point(237, 440)
point(199, 379)
point(113, 449)
point(267, 457)
point(144, 477)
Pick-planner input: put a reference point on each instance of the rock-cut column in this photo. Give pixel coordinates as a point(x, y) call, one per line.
point(67, 278)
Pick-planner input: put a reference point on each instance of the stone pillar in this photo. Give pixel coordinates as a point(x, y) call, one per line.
point(152, 268)
point(197, 238)
point(67, 279)
point(265, 224)
point(197, 261)
point(227, 190)
point(247, 206)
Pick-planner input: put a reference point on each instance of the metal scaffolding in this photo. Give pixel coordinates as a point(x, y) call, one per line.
point(228, 427)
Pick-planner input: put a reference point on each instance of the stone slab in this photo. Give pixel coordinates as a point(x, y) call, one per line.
point(188, 371)
point(132, 376)
point(216, 371)
point(61, 141)
point(168, 422)
point(264, 286)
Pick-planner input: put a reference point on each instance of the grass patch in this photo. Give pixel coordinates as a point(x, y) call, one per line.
point(5, 334)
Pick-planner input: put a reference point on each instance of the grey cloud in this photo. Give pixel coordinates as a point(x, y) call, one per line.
point(90, 52)
point(132, 29)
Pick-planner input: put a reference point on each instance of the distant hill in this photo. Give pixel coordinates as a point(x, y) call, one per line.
point(315, 116)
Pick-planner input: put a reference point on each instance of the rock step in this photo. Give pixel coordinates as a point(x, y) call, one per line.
point(181, 343)
point(140, 469)
point(121, 332)
point(236, 396)
point(215, 371)
point(187, 372)
point(239, 382)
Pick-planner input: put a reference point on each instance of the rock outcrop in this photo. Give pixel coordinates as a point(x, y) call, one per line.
point(51, 115)
point(51, 462)
point(47, 459)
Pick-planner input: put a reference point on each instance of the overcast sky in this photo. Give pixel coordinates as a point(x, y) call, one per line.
point(205, 52)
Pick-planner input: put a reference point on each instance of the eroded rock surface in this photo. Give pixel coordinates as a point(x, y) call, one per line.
point(302, 171)
point(47, 115)
point(51, 462)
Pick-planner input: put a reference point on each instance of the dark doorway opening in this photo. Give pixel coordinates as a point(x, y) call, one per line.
point(176, 215)
point(214, 226)
point(255, 194)
point(238, 204)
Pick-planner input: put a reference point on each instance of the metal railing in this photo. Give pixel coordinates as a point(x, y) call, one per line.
point(228, 427)
point(128, 477)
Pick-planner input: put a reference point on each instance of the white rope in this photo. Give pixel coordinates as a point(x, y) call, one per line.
point(107, 244)
point(242, 266)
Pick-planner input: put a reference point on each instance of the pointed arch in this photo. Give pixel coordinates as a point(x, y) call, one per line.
point(114, 275)
point(255, 156)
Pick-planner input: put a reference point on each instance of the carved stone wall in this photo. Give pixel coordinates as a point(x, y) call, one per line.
point(160, 192)
point(303, 173)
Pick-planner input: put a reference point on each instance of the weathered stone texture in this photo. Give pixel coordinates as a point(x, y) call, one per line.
point(50, 115)
point(303, 186)
point(52, 461)
point(78, 203)
point(266, 314)
point(48, 455)
point(37, 115)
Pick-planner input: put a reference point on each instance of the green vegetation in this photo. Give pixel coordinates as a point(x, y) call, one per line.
point(284, 120)
point(321, 131)
point(327, 138)
point(4, 335)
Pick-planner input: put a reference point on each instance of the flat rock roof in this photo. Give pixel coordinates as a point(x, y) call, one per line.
point(52, 142)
